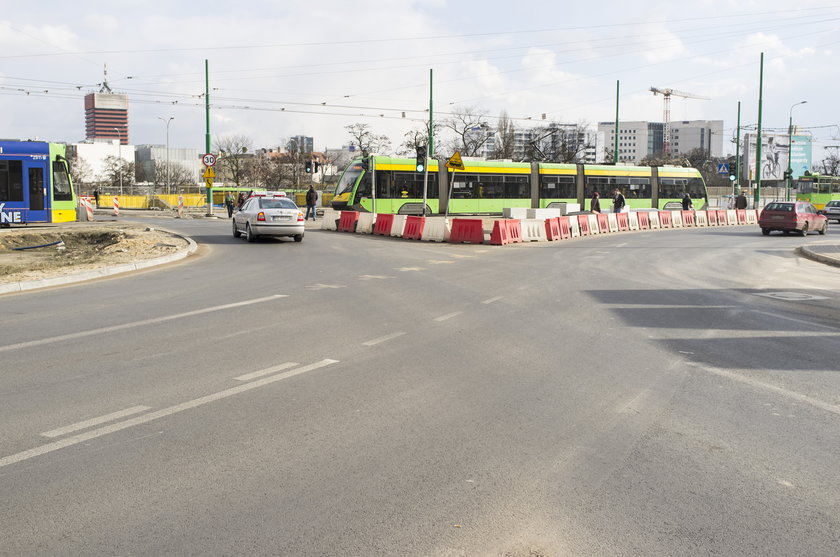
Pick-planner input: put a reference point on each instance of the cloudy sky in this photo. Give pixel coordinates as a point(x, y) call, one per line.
point(279, 69)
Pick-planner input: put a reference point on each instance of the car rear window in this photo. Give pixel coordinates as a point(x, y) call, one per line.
point(782, 207)
point(277, 204)
point(833, 204)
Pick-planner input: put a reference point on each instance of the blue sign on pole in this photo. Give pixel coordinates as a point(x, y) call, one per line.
point(723, 168)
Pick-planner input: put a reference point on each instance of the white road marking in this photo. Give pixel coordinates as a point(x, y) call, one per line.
point(95, 421)
point(145, 418)
point(448, 316)
point(113, 328)
point(266, 371)
point(787, 393)
point(374, 277)
point(438, 262)
point(405, 269)
point(383, 339)
point(777, 316)
point(491, 300)
point(320, 286)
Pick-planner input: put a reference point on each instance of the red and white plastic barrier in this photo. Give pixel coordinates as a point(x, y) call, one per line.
point(116, 206)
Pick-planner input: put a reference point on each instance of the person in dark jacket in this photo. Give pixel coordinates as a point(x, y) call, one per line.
point(686, 202)
point(595, 206)
point(618, 201)
point(741, 201)
point(311, 200)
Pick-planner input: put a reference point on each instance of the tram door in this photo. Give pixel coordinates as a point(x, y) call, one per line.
point(36, 172)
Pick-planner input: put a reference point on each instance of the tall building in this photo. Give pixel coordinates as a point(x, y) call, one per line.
point(106, 115)
point(637, 140)
point(301, 143)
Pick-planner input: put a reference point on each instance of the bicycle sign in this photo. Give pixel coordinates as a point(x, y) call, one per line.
point(209, 159)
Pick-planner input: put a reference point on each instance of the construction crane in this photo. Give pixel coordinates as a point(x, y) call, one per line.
point(666, 117)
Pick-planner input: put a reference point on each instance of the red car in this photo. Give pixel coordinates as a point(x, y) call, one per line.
point(790, 216)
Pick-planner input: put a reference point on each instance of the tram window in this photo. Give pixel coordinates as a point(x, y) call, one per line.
point(363, 189)
point(62, 190)
point(11, 181)
point(410, 185)
point(558, 187)
point(672, 188)
point(517, 187)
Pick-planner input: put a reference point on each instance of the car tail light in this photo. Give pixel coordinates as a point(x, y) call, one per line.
point(261, 216)
point(300, 216)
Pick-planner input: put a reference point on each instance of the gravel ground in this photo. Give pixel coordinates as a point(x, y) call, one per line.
point(82, 247)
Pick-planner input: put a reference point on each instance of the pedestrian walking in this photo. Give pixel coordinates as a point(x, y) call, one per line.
point(618, 201)
point(96, 197)
point(741, 201)
point(595, 206)
point(311, 200)
point(240, 200)
point(229, 203)
point(686, 202)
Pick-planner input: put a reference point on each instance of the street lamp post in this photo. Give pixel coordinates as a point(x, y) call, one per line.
point(119, 152)
point(167, 149)
point(789, 180)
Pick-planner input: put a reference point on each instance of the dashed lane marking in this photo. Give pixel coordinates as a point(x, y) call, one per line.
point(491, 300)
point(145, 418)
point(95, 421)
point(114, 328)
point(266, 371)
point(383, 339)
point(448, 316)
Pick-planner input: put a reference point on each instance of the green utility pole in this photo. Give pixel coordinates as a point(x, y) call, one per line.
point(431, 119)
point(758, 160)
point(736, 185)
point(615, 147)
point(430, 146)
point(207, 128)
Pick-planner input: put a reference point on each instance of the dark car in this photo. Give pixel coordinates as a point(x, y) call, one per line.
point(832, 210)
point(791, 216)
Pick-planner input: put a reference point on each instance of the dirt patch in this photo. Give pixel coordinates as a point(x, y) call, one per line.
point(80, 247)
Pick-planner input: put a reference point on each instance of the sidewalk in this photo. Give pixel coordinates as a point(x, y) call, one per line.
point(824, 253)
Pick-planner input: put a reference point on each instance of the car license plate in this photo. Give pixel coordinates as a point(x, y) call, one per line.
point(778, 217)
point(281, 218)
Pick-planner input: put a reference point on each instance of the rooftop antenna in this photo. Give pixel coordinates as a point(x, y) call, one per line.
point(105, 87)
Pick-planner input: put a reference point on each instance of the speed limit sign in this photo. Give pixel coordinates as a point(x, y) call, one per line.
point(209, 159)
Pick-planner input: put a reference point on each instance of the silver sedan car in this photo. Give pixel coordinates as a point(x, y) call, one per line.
point(268, 215)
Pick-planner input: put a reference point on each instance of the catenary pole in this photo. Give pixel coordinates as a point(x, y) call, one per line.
point(615, 146)
point(757, 194)
point(207, 129)
point(736, 185)
point(430, 145)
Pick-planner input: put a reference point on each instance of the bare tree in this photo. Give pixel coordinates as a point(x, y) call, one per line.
point(470, 128)
point(830, 165)
point(233, 159)
point(563, 143)
point(367, 141)
point(417, 137)
point(81, 172)
point(117, 172)
point(505, 138)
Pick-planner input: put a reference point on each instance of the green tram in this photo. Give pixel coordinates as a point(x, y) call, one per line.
point(35, 183)
point(818, 190)
point(392, 185)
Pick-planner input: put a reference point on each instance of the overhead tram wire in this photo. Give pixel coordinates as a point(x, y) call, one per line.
point(408, 39)
point(738, 30)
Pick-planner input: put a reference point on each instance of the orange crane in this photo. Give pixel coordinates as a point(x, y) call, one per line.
point(666, 94)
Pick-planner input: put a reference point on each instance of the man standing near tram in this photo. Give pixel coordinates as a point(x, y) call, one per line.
point(618, 201)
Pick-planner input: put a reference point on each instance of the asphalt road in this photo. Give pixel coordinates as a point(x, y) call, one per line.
point(656, 393)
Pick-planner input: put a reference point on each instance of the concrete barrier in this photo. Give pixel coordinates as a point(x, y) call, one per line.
point(520, 213)
point(543, 214)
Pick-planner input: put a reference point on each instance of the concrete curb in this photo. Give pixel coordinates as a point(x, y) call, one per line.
point(103, 272)
point(805, 251)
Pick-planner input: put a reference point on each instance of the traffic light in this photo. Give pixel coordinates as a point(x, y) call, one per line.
point(421, 158)
point(317, 166)
point(308, 166)
point(788, 174)
point(365, 164)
